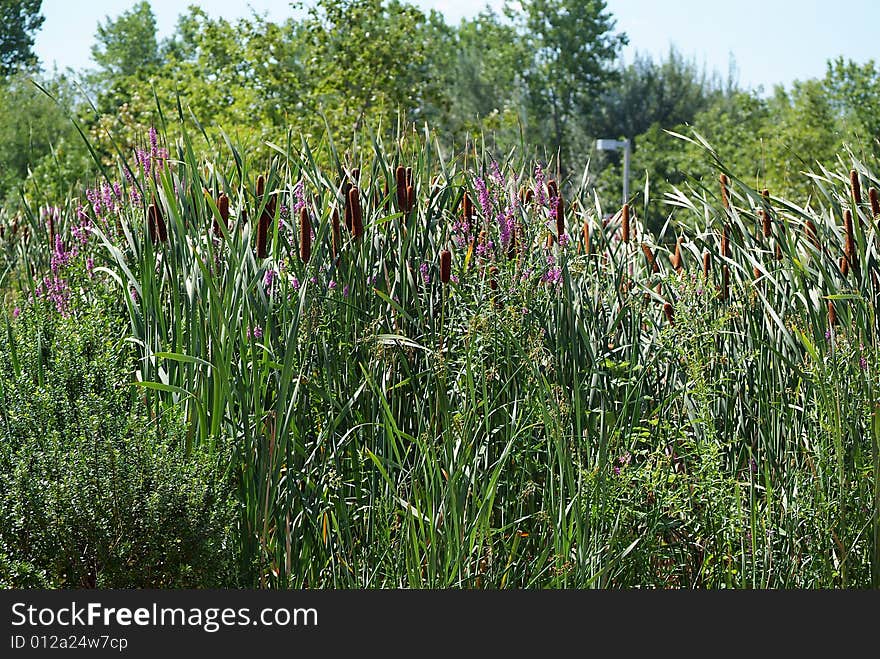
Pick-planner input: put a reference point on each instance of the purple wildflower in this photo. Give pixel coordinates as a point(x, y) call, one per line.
point(294, 283)
point(483, 195)
point(16, 312)
point(539, 186)
point(426, 275)
point(345, 291)
point(331, 284)
point(269, 280)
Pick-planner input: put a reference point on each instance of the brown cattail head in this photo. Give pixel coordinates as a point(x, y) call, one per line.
point(305, 236)
point(560, 216)
point(263, 235)
point(410, 198)
point(649, 255)
point(812, 234)
point(832, 313)
point(337, 232)
point(549, 242)
point(586, 236)
point(766, 228)
point(844, 266)
point(707, 264)
point(624, 222)
point(346, 188)
point(855, 186)
point(445, 265)
point(223, 208)
point(875, 203)
point(725, 282)
point(400, 179)
point(725, 242)
point(493, 283)
point(158, 231)
point(261, 185)
point(357, 220)
point(850, 245)
point(669, 310)
point(676, 260)
point(467, 207)
point(725, 199)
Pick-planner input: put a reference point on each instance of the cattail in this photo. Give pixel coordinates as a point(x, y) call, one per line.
point(875, 203)
point(624, 221)
point(410, 198)
point(725, 282)
point(778, 252)
point(649, 255)
point(223, 209)
point(336, 232)
point(158, 231)
point(305, 236)
point(445, 265)
point(670, 313)
point(765, 223)
point(707, 264)
point(844, 266)
point(855, 186)
point(357, 220)
point(850, 245)
point(493, 283)
point(346, 188)
point(467, 207)
point(263, 235)
point(586, 236)
point(812, 234)
point(409, 177)
point(560, 216)
point(756, 271)
point(725, 200)
point(261, 185)
point(400, 179)
point(549, 240)
point(676, 260)
point(832, 313)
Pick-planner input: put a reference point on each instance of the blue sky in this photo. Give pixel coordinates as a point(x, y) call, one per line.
point(771, 41)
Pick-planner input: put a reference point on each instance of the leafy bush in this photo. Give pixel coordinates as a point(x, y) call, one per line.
point(95, 491)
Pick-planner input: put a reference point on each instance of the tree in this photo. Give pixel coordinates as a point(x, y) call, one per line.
point(573, 47)
point(128, 45)
point(19, 19)
point(855, 91)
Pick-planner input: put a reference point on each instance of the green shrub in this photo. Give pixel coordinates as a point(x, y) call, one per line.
point(94, 490)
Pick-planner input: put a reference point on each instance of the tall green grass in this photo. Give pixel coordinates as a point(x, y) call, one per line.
point(551, 417)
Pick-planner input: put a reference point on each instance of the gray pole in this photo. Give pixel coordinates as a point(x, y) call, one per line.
point(625, 170)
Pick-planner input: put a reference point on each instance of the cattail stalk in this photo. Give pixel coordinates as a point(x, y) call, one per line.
point(223, 209)
point(445, 265)
point(357, 220)
point(158, 230)
point(305, 236)
point(337, 232)
point(560, 216)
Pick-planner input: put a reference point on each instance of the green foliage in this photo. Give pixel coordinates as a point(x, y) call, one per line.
point(19, 19)
point(95, 492)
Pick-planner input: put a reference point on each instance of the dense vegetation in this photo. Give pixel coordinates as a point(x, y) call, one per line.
point(289, 350)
